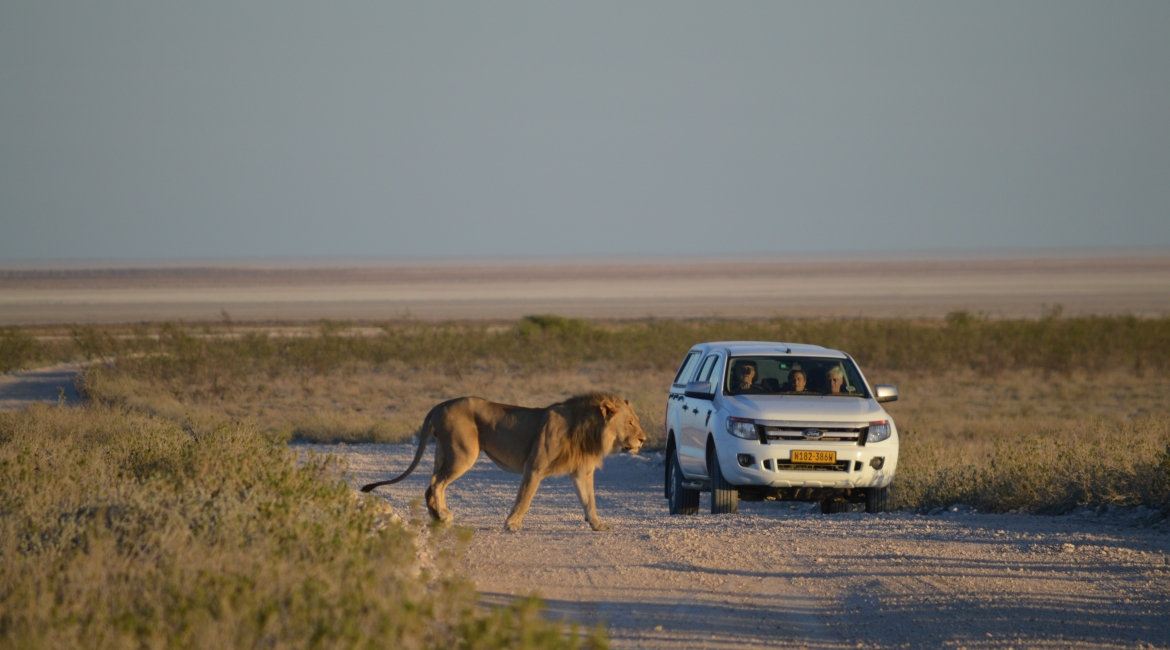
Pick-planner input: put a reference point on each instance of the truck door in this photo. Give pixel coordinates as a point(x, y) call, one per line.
point(694, 418)
point(676, 398)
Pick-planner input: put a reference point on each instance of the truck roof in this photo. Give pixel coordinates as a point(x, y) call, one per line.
point(765, 348)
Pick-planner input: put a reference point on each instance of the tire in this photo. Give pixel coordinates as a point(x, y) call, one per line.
point(666, 478)
point(724, 496)
point(877, 499)
point(833, 506)
point(682, 501)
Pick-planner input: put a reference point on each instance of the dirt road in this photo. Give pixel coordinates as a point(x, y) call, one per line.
point(56, 384)
point(778, 575)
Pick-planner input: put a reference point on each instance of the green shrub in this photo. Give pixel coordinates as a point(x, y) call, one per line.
point(94, 342)
point(17, 349)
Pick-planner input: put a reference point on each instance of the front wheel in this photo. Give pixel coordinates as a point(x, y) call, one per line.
point(877, 499)
point(682, 501)
point(724, 495)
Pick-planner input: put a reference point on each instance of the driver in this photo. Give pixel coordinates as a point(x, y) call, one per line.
point(743, 378)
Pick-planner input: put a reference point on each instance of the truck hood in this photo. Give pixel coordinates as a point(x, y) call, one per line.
point(802, 408)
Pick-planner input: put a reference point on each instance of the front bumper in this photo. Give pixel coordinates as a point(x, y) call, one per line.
point(771, 464)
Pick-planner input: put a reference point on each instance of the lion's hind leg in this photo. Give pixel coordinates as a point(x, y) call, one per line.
point(433, 505)
point(450, 464)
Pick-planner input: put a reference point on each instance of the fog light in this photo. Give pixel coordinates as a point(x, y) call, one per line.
point(746, 460)
point(876, 462)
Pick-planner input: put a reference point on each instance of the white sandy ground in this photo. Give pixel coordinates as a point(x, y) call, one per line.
point(779, 575)
point(1010, 286)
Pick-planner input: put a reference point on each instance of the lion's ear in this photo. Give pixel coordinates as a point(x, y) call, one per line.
point(609, 409)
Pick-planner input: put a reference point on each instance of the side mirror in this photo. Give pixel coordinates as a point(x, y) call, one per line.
point(885, 392)
point(699, 390)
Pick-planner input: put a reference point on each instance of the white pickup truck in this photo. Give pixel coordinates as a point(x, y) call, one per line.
point(756, 420)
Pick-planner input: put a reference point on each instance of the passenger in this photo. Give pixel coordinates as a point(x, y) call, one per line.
point(743, 378)
point(797, 381)
point(835, 380)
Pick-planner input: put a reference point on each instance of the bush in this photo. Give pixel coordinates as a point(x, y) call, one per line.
point(94, 342)
point(17, 349)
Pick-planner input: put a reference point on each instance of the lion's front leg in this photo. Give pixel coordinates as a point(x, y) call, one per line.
point(583, 482)
point(528, 486)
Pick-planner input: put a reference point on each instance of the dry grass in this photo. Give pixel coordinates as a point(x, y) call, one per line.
point(384, 403)
point(1032, 441)
point(985, 401)
point(1026, 439)
point(118, 530)
point(220, 352)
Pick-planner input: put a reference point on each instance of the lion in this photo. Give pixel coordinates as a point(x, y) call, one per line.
point(567, 437)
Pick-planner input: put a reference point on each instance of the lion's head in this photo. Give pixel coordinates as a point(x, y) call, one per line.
point(606, 422)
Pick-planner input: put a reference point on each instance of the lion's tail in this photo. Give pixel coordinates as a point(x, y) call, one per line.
point(424, 437)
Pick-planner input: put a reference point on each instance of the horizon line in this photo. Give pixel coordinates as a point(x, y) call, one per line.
point(371, 261)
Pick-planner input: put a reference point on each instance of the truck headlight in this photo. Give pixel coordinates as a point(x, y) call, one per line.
point(878, 431)
point(742, 428)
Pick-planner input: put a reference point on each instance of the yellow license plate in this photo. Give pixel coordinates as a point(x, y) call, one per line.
point(815, 457)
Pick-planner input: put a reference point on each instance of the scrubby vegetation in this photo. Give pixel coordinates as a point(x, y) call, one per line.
point(118, 530)
point(1082, 399)
point(1044, 471)
point(1033, 441)
point(216, 354)
point(18, 349)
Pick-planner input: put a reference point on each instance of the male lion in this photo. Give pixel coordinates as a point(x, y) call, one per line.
point(568, 437)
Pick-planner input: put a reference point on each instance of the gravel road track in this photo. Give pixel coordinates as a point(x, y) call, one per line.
point(55, 384)
point(782, 575)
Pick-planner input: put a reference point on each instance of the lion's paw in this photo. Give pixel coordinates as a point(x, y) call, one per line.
point(512, 527)
point(601, 528)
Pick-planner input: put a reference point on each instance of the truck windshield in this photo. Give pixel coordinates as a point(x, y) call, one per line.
point(792, 375)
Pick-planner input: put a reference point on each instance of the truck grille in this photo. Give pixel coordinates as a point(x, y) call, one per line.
point(830, 431)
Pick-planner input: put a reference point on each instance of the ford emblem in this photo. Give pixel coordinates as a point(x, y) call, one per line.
point(812, 433)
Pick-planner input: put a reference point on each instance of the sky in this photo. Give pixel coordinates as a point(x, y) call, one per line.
point(405, 130)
